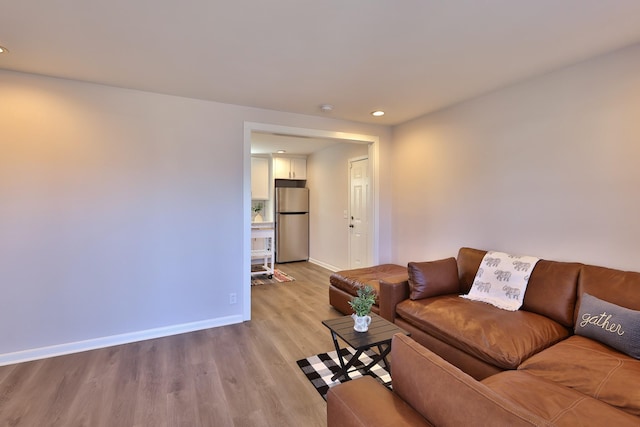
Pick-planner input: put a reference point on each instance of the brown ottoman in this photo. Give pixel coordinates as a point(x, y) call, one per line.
point(344, 284)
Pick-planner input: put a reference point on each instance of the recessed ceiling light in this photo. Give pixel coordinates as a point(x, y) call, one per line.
point(377, 113)
point(281, 151)
point(326, 108)
point(3, 49)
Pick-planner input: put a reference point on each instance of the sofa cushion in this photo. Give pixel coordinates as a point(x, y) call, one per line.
point(365, 402)
point(350, 280)
point(591, 368)
point(615, 286)
point(432, 278)
point(610, 324)
point(469, 261)
point(445, 395)
point(499, 337)
point(557, 404)
point(551, 291)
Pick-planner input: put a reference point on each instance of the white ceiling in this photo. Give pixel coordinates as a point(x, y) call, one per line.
point(408, 57)
point(269, 143)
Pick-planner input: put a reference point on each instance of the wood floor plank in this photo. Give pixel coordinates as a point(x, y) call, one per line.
point(236, 375)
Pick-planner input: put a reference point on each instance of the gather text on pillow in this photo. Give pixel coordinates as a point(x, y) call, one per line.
point(602, 320)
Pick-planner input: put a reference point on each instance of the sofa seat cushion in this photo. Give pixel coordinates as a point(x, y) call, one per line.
point(591, 368)
point(498, 337)
point(561, 406)
point(349, 280)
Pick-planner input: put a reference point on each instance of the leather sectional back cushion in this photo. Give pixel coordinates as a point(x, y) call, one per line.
point(468, 263)
point(615, 286)
point(615, 326)
point(551, 291)
point(433, 278)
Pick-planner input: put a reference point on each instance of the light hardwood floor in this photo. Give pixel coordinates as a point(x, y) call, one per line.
point(237, 375)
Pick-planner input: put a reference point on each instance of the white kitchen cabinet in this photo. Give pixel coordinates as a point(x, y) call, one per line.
point(259, 178)
point(289, 168)
point(298, 168)
point(281, 168)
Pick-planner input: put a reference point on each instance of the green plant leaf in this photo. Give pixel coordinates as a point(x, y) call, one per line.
point(365, 299)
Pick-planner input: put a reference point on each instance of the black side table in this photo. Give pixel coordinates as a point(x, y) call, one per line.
point(379, 335)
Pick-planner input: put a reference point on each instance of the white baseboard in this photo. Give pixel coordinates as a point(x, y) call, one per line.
point(325, 265)
point(92, 344)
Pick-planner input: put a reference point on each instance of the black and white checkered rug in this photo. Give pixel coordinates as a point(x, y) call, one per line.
point(320, 368)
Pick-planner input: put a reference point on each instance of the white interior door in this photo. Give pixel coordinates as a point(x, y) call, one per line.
point(359, 213)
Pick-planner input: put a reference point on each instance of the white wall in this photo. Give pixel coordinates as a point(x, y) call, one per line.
point(548, 167)
point(121, 212)
point(328, 182)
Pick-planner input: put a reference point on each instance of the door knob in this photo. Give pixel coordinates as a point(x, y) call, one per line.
point(350, 225)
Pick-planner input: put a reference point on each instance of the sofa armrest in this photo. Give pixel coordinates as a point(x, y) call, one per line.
point(391, 293)
point(445, 395)
point(365, 402)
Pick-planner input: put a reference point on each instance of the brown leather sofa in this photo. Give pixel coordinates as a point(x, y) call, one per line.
point(428, 391)
point(527, 364)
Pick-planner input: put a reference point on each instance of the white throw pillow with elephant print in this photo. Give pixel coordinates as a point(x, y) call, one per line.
point(502, 280)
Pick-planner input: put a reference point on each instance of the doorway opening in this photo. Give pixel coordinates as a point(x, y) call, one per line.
point(373, 222)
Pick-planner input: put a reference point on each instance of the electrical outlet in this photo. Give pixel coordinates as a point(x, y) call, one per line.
point(233, 298)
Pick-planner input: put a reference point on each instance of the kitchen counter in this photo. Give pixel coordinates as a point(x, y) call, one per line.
point(262, 224)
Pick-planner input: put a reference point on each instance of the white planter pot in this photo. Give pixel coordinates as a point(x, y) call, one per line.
point(361, 323)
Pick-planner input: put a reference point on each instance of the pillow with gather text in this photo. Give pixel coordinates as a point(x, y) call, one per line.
point(615, 326)
point(433, 278)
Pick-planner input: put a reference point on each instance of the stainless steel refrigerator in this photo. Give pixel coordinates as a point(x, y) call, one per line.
point(292, 224)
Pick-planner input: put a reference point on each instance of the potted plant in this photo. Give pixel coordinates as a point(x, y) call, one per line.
point(257, 212)
point(361, 305)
